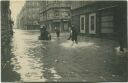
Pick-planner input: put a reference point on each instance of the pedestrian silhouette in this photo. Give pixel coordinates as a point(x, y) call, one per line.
point(57, 32)
point(45, 35)
point(74, 34)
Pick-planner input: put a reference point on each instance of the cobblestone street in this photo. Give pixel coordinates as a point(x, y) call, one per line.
point(92, 59)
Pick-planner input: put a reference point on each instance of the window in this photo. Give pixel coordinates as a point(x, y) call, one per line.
point(56, 13)
point(92, 23)
point(65, 14)
point(82, 23)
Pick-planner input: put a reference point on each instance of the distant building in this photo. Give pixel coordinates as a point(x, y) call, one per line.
point(29, 16)
point(55, 14)
point(101, 18)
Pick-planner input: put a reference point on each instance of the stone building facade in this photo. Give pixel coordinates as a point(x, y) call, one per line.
point(28, 18)
point(55, 14)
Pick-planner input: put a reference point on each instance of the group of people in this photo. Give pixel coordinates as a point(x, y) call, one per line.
point(45, 35)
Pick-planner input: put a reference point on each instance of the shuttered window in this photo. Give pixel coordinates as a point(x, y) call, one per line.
point(107, 24)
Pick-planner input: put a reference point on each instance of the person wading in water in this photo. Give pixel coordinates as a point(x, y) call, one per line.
point(74, 34)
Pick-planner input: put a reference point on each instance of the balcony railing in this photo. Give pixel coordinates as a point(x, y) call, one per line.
point(58, 17)
point(56, 5)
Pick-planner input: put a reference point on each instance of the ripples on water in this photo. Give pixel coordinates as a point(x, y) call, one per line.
point(25, 61)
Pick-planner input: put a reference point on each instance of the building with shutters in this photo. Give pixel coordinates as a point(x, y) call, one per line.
point(101, 19)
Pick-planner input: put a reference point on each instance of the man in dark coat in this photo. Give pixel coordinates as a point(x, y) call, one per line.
point(41, 32)
point(74, 34)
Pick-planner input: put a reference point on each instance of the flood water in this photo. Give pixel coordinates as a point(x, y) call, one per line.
point(35, 60)
point(27, 57)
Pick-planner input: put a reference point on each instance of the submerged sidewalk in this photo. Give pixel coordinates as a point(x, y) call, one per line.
point(92, 59)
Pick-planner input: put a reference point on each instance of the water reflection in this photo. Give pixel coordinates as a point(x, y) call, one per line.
point(26, 49)
point(70, 44)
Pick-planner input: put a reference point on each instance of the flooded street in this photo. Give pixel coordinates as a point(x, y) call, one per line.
point(28, 52)
point(64, 41)
point(59, 60)
point(28, 56)
point(27, 61)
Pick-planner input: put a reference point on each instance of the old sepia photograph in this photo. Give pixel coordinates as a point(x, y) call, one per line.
point(64, 41)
